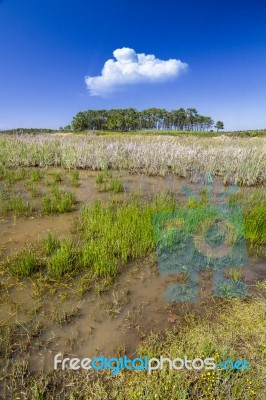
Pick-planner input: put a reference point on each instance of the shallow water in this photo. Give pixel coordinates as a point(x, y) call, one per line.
point(117, 321)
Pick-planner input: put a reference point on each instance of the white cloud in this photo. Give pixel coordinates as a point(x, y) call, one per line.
point(129, 68)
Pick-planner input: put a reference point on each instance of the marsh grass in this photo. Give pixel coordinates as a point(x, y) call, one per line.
point(108, 236)
point(237, 160)
point(55, 257)
point(14, 203)
point(36, 175)
point(62, 260)
point(105, 182)
point(75, 178)
point(116, 185)
point(53, 178)
point(111, 235)
point(57, 201)
point(255, 222)
point(24, 264)
point(236, 274)
point(57, 177)
point(254, 211)
point(115, 234)
point(12, 175)
point(50, 244)
point(33, 189)
point(101, 177)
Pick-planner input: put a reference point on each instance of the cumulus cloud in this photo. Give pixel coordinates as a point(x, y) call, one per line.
point(128, 67)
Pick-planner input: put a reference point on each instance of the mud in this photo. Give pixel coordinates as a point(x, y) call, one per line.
point(112, 323)
point(115, 322)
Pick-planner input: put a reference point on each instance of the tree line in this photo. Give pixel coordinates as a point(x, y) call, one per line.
point(21, 131)
point(150, 119)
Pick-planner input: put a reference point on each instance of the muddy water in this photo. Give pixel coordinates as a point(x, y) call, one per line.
point(16, 232)
point(143, 184)
point(115, 322)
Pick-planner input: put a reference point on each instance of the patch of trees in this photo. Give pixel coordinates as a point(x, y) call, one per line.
point(66, 128)
point(21, 131)
point(151, 119)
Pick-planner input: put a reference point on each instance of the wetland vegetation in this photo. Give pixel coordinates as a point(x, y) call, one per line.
point(79, 273)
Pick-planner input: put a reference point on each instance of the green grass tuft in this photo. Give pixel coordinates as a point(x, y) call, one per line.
point(57, 177)
point(116, 185)
point(33, 189)
point(50, 244)
point(75, 178)
point(62, 261)
point(113, 235)
point(36, 175)
point(11, 176)
point(57, 201)
point(24, 264)
point(12, 203)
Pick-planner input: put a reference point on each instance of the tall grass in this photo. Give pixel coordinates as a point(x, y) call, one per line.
point(237, 160)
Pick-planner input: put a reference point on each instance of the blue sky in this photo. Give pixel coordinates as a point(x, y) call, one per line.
point(47, 48)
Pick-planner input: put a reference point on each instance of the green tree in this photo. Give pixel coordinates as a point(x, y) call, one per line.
point(219, 125)
point(129, 119)
point(79, 122)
